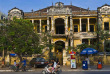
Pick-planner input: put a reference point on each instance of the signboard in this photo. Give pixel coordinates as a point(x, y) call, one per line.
point(73, 61)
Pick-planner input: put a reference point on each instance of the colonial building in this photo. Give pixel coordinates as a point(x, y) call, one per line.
point(68, 25)
point(2, 16)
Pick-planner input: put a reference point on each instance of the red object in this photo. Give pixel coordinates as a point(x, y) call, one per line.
point(72, 56)
point(99, 66)
point(72, 52)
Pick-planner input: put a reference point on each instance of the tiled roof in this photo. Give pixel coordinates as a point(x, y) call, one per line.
point(34, 14)
point(74, 8)
point(43, 12)
point(84, 12)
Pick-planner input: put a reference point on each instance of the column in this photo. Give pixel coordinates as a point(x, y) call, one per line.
point(89, 41)
point(48, 29)
point(100, 21)
point(32, 21)
point(80, 25)
point(40, 25)
point(66, 25)
point(71, 43)
point(52, 26)
point(48, 24)
point(88, 24)
point(66, 44)
point(71, 25)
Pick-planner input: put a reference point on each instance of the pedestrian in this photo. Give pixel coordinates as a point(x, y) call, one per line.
point(24, 64)
point(88, 61)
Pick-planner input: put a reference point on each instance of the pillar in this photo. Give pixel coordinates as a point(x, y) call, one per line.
point(71, 43)
point(48, 24)
point(52, 30)
point(89, 41)
point(40, 25)
point(32, 21)
point(80, 25)
point(66, 25)
point(71, 25)
point(66, 44)
point(100, 21)
point(88, 24)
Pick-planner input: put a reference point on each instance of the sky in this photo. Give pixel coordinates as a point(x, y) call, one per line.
point(28, 5)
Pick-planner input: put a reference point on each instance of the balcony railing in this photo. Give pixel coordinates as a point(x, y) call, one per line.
point(85, 34)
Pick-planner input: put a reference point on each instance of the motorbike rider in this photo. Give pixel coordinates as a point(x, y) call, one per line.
point(24, 64)
point(49, 66)
point(15, 63)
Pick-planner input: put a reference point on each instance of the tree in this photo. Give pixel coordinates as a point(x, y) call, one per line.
point(21, 37)
point(45, 39)
point(4, 42)
point(102, 35)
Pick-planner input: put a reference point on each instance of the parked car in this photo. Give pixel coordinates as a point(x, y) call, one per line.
point(41, 62)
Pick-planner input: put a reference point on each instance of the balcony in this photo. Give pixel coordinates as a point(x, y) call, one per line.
point(85, 35)
point(59, 35)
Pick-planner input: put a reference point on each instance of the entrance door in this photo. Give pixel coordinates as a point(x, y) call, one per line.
point(59, 46)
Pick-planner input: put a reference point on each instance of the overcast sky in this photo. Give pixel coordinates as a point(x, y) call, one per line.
point(28, 5)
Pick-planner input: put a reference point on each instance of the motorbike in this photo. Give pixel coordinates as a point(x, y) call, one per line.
point(14, 68)
point(18, 68)
point(54, 71)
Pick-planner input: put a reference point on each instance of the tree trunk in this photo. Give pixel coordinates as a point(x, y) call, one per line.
point(19, 56)
point(3, 56)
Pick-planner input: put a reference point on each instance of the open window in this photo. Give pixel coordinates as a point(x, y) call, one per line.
point(85, 41)
point(83, 27)
point(91, 28)
point(75, 28)
point(106, 25)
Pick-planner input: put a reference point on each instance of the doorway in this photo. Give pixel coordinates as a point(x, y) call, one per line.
point(59, 47)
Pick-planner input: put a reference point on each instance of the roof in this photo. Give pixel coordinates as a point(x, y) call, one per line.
point(15, 8)
point(74, 8)
point(103, 6)
point(43, 12)
point(34, 14)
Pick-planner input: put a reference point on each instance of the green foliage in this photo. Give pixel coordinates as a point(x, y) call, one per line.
point(18, 36)
point(46, 37)
point(83, 46)
point(107, 46)
point(102, 35)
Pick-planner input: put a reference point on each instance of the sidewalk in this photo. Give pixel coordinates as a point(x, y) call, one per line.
point(64, 68)
point(91, 68)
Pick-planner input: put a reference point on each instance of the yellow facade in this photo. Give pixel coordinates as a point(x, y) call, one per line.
point(71, 26)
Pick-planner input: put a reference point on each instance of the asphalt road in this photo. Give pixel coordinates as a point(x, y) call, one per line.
point(74, 72)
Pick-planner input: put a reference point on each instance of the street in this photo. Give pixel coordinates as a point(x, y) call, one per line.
point(73, 72)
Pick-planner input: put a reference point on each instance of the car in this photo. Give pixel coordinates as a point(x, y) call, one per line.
point(41, 62)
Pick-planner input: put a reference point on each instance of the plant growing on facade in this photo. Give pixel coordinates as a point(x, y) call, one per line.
point(102, 37)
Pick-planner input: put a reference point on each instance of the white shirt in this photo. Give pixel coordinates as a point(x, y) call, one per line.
point(14, 63)
point(55, 64)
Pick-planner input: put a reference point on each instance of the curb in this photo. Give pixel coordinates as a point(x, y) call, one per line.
point(62, 70)
point(13, 71)
point(85, 70)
